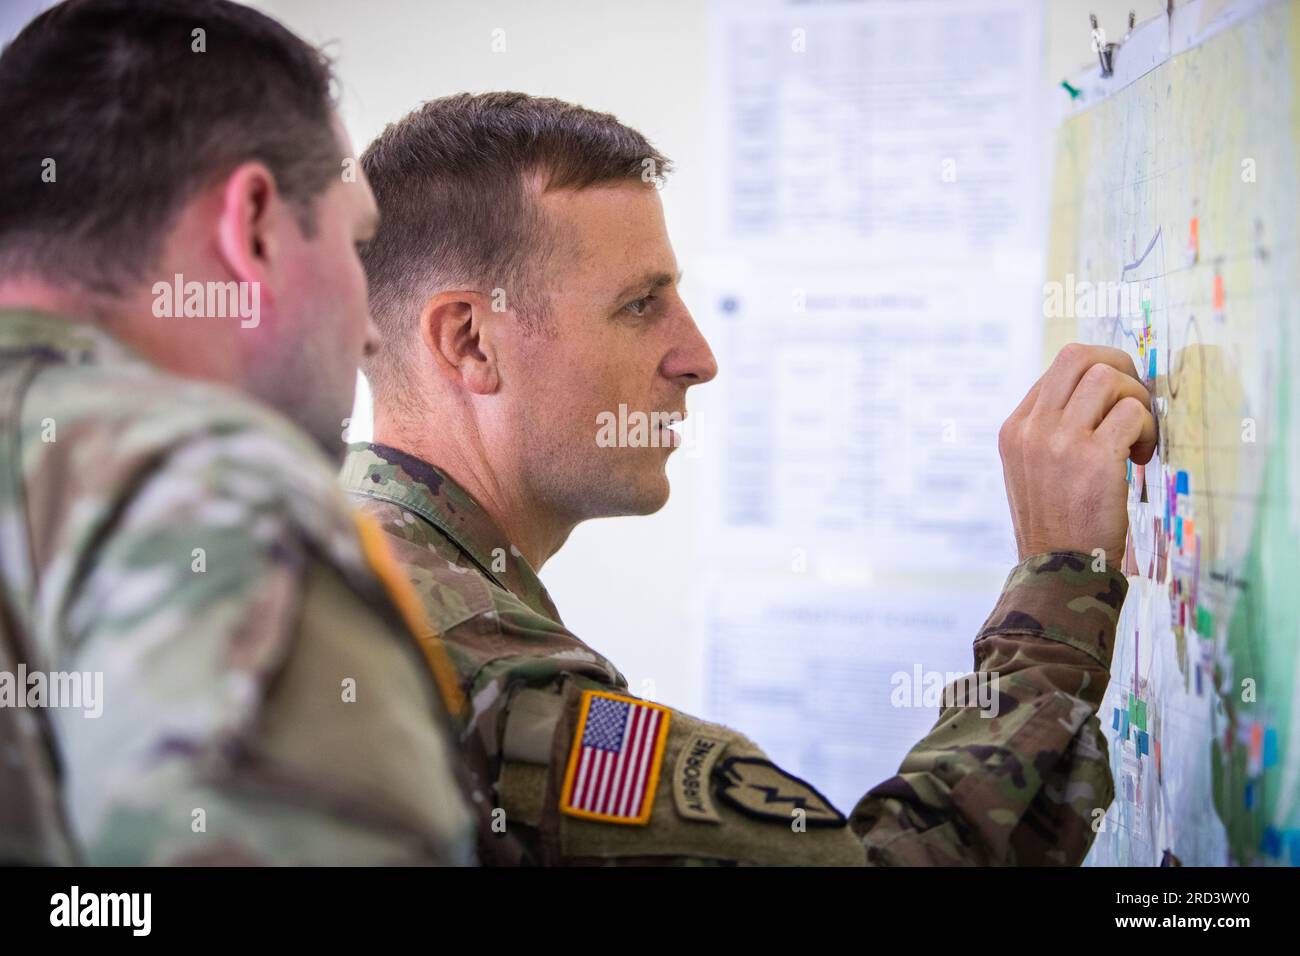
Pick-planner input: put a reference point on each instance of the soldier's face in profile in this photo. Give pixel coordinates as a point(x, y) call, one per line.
point(593, 392)
point(305, 362)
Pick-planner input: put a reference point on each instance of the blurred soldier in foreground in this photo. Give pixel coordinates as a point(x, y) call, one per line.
point(527, 291)
point(199, 662)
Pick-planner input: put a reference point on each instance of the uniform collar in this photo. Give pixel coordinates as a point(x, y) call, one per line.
point(387, 474)
point(59, 338)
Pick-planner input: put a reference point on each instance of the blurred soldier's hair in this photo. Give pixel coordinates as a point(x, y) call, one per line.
point(136, 121)
point(455, 182)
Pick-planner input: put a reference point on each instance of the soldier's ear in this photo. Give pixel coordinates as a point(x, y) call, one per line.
point(251, 219)
point(456, 342)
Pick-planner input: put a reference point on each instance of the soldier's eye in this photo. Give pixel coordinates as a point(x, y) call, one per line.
point(639, 306)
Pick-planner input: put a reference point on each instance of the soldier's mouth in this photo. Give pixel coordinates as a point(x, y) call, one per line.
point(670, 427)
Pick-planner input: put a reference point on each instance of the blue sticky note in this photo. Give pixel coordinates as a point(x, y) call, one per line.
point(1293, 844)
point(1124, 729)
point(1151, 369)
point(1114, 724)
point(1250, 795)
point(1178, 531)
point(1270, 747)
point(1180, 486)
point(1143, 742)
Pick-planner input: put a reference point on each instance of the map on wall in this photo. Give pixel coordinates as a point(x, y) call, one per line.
point(1173, 236)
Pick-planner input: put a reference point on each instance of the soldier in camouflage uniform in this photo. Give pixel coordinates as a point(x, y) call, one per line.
point(485, 459)
point(263, 698)
point(1021, 787)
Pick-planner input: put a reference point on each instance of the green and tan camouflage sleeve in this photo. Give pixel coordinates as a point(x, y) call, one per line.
point(1024, 787)
point(1021, 785)
point(258, 705)
point(1013, 778)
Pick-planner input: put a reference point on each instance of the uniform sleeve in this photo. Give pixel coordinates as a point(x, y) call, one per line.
point(1025, 786)
point(251, 705)
point(684, 793)
point(1015, 772)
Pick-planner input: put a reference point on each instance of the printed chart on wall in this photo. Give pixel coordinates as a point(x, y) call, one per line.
point(1173, 236)
point(874, 288)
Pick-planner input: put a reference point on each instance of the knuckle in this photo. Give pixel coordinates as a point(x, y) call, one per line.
point(1125, 361)
point(1059, 445)
point(1129, 407)
point(1071, 353)
point(1135, 409)
point(1024, 435)
point(1099, 376)
point(1007, 435)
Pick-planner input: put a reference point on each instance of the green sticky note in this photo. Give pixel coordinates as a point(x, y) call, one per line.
point(1204, 621)
point(1139, 717)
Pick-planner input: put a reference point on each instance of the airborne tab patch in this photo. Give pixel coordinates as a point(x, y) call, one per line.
point(691, 775)
point(613, 769)
point(759, 788)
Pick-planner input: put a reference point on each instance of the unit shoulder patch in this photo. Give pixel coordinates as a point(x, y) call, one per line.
point(759, 788)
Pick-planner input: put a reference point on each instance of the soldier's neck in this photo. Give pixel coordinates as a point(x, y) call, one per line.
point(200, 352)
point(527, 524)
point(24, 292)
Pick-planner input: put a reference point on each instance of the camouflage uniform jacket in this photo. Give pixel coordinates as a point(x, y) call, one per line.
point(1024, 787)
point(262, 700)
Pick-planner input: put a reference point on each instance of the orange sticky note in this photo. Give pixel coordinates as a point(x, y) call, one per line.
point(1218, 293)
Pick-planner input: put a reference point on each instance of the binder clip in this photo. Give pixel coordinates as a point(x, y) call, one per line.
point(1106, 51)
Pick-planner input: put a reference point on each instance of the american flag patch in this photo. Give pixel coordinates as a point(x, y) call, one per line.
point(614, 764)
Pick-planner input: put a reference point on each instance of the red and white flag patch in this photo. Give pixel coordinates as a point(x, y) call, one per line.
point(618, 748)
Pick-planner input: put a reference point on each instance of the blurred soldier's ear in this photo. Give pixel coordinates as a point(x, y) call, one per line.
point(250, 227)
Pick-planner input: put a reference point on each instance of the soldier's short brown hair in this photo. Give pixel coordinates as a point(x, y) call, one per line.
point(116, 112)
point(452, 180)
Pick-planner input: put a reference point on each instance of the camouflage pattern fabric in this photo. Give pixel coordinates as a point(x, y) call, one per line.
point(1023, 787)
point(261, 700)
